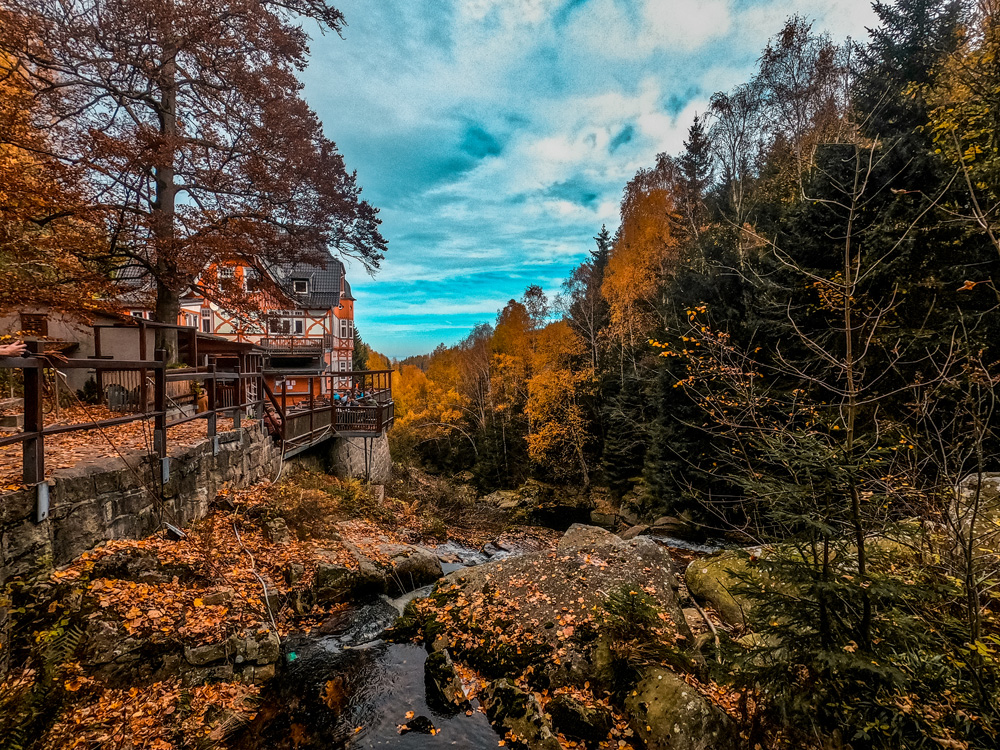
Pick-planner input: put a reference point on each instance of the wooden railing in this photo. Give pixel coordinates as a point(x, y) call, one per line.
point(346, 404)
point(296, 344)
point(232, 393)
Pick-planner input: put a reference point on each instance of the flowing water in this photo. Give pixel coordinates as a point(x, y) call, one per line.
point(349, 689)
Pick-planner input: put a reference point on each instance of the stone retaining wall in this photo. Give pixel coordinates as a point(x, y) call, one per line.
point(112, 498)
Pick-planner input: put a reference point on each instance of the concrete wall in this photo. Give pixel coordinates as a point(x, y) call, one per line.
point(108, 499)
point(361, 458)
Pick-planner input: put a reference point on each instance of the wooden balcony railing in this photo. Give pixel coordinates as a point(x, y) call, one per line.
point(346, 404)
point(140, 390)
point(297, 344)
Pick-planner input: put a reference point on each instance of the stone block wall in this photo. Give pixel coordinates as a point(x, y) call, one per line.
point(362, 458)
point(112, 498)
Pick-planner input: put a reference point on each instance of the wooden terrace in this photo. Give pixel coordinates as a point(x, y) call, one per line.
point(344, 404)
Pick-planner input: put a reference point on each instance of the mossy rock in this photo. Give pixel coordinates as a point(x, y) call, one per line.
point(444, 687)
point(716, 579)
point(668, 714)
point(721, 579)
point(517, 716)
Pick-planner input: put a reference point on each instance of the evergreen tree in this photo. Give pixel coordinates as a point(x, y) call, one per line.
point(697, 172)
point(361, 352)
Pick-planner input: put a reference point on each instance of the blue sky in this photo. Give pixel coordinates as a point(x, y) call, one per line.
point(496, 135)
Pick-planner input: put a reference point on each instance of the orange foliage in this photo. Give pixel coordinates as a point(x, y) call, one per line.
point(44, 228)
point(645, 251)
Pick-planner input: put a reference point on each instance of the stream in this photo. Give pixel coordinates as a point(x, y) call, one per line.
point(350, 690)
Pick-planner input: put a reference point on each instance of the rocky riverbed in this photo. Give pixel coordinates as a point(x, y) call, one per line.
point(293, 617)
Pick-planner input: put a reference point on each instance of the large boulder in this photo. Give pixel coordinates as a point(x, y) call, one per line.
point(341, 580)
point(669, 714)
point(544, 610)
point(715, 580)
point(410, 567)
point(395, 570)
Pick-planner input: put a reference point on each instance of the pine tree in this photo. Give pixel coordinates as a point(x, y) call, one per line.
point(697, 170)
point(361, 352)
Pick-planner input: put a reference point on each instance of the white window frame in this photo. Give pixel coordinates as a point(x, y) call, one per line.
point(304, 286)
point(227, 272)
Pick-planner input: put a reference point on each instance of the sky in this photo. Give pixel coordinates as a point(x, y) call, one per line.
point(496, 136)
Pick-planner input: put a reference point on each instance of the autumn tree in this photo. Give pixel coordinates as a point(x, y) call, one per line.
point(964, 107)
point(646, 248)
point(803, 80)
point(47, 234)
point(560, 427)
point(187, 121)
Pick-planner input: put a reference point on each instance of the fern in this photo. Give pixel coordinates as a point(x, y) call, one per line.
point(26, 710)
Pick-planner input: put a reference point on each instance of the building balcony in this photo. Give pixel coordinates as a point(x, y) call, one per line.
point(297, 345)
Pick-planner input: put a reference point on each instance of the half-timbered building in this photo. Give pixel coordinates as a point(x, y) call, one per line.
point(303, 319)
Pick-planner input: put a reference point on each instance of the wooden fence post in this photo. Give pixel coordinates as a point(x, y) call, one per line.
point(284, 408)
point(240, 398)
point(33, 448)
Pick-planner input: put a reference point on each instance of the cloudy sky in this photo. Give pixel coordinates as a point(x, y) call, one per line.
point(496, 135)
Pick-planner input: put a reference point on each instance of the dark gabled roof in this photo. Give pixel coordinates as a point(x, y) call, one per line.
point(324, 282)
point(134, 285)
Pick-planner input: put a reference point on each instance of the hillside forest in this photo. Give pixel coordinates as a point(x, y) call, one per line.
point(791, 337)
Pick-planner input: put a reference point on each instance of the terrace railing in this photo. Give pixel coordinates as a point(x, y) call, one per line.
point(346, 404)
point(141, 390)
point(295, 344)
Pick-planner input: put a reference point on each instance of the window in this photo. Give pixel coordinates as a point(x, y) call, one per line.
point(251, 280)
point(37, 325)
point(343, 365)
point(300, 286)
point(344, 329)
point(206, 320)
point(299, 326)
point(190, 319)
point(137, 313)
point(226, 272)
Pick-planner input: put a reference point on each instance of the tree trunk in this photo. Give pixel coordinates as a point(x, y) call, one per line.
point(163, 214)
point(864, 626)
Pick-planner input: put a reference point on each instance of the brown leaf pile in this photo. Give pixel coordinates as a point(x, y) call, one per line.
point(154, 717)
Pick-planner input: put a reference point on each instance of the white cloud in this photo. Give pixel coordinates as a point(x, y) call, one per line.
point(688, 24)
point(400, 94)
